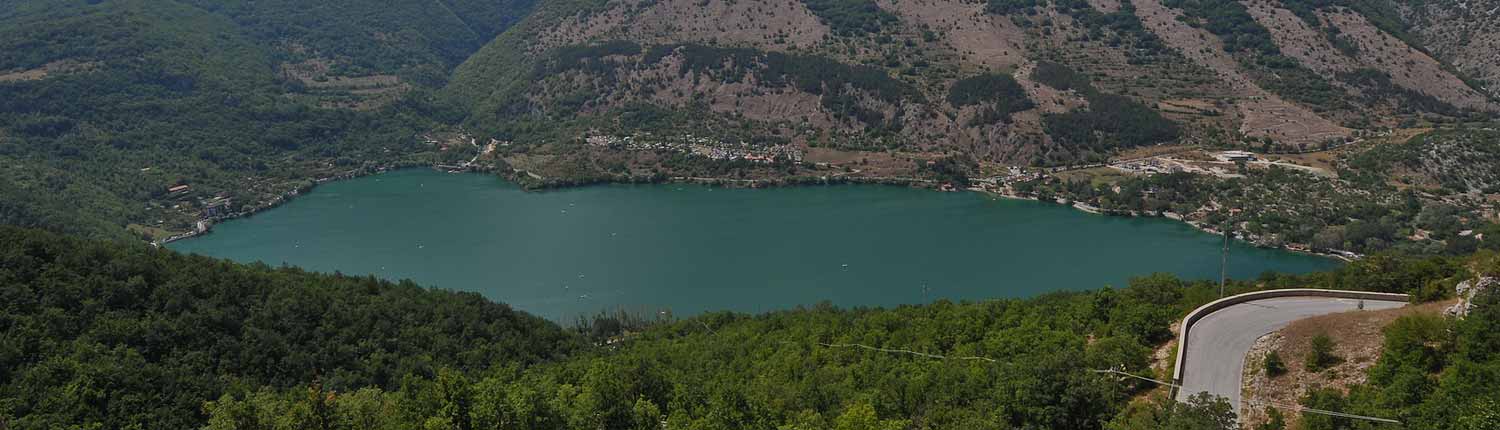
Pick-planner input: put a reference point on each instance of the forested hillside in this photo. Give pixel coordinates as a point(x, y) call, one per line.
point(106, 105)
point(120, 335)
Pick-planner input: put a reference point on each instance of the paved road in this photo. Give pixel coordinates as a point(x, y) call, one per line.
point(1218, 342)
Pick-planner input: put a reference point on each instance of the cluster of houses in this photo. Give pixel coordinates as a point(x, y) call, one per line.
point(1000, 183)
point(211, 209)
point(700, 146)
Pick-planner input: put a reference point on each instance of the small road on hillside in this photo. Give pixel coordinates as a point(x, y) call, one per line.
point(1217, 343)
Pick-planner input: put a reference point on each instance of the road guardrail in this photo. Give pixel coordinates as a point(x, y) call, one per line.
point(1202, 311)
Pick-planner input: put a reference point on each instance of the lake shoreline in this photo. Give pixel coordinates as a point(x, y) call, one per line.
point(1082, 207)
point(526, 181)
point(659, 246)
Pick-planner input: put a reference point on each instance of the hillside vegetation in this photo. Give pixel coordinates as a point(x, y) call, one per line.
point(120, 336)
point(937, 47)
point(1433, 372)
point(106, 105)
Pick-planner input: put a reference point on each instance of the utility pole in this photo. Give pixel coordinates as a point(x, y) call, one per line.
point(1224, 263)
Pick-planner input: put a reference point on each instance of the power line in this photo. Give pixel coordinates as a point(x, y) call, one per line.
point(1297, 408)
point(1293, 407)
point(1143, 378)
point(903, 351)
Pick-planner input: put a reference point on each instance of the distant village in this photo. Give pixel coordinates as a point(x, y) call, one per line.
point(700, 146)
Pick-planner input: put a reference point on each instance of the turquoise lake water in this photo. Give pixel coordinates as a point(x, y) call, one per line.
point(690, 249)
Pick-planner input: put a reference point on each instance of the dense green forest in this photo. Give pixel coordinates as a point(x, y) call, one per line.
point(122, 335)
point(1112, 121)
point(145, 95)
point(1000, 94)
point(850, 17)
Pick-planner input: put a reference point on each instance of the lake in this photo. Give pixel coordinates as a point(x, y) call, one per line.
point(690, 248)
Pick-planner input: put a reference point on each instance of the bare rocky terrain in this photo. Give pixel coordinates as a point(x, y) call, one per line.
point(1462, 33)
point(1150, 54)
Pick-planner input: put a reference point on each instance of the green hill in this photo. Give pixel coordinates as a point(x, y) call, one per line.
point(105, 105)
point(112, 335)
point(122, 335)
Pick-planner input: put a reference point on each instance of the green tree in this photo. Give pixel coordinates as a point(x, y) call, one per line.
point(1327, 399)
point(456, 400)
point(1202, 411)
point(318, 408)
point(1482, 414)
point(861, 416)
point(645, 415)
point(369, 409)
point(1419, 343)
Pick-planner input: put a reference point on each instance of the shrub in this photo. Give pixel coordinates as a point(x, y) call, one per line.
point(1273, 365)
point(851, 17)
point(1060, 77)
point(1320, 354)
point(1274, 420)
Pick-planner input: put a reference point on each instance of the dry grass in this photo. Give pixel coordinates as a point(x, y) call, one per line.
point(1188, 106)
point(314, 74)
point(343, 92)
point(1096, 176)
point(153, 233)
point(1325, 160)
point(867, 163)
point(1358, 340)
point(53, 68)
point(982, 40)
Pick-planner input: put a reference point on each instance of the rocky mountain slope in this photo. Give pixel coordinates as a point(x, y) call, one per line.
point(106, 106)
point(1461, 33)
point(1007, 81)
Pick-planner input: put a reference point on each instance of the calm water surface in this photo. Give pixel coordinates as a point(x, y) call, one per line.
point(691, 248)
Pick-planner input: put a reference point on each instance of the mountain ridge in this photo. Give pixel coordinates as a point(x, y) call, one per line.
point(905, 40)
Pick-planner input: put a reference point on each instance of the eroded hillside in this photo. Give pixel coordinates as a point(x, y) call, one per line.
point(108, 105)
point(1462, 33)
point(1018, 82)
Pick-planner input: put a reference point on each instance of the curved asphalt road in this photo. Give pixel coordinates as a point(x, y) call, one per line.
point(1218, 342)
